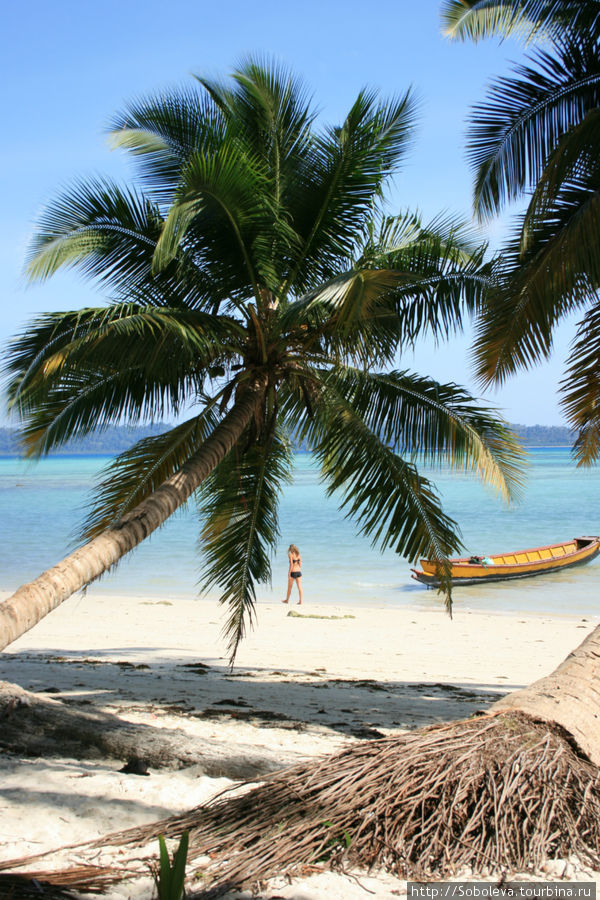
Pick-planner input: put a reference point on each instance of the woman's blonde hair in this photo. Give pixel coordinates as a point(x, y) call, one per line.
point(293, 549)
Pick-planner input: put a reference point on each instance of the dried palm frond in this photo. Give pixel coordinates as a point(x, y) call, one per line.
point(500, 792)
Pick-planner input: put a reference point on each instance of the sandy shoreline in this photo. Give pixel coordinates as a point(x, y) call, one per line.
point(304, 684)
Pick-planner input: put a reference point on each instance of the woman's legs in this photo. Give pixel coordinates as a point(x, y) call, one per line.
point(299, 586)
point(289, 591)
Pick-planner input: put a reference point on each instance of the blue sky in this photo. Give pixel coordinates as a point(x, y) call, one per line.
point(67, 67)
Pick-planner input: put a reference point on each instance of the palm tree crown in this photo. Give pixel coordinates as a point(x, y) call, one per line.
point(538, 135)
point(257, 284)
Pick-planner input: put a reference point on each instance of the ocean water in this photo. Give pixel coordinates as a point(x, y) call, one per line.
point(42, 503)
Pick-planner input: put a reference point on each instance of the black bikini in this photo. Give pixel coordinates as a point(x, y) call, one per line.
point(296, 574)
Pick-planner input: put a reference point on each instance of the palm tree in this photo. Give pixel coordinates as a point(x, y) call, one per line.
point(538, 135)
point(260, 282)
point(258, 285)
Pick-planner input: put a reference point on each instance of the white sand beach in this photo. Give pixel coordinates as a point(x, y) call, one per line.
point(307, 680)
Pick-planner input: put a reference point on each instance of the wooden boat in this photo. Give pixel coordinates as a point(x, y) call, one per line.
point(520, 564)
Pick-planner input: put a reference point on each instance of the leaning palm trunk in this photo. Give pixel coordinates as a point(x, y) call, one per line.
point(502, 792)
point(569, 697)
point(31, 602)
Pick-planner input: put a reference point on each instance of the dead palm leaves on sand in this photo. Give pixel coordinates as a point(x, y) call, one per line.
point(499, 792)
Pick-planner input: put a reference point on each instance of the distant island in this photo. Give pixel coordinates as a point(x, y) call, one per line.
point(107, 442)
point(118, 438)
point(544, 435)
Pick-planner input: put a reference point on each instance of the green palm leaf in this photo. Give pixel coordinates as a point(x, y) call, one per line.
point(269, 108)
point(345, 172)
point(556, 274)
point(107, 232)
point(440, 268)
point(111, 234)
point(132, 334)
point(441, 422)
point(524, 19)
point(240, 527)
point(515, 130)
point(76, 371)
point(572, 159)
point(365, 313)
point(356, 460)
point(560, 255)
point(224, 185)
point(163, 132)
point(385, 494)
point(581, 388)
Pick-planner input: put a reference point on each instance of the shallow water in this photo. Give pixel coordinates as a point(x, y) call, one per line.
point(42, 503)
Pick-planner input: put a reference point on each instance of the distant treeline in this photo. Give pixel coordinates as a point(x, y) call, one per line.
point(544, 435)
point(107, 442)
point(120, 437)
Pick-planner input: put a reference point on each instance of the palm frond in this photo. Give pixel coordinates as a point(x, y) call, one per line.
point(581, 388)
point(111, 234)
point(386, 235)
point(385, 494)
point(224, 187)
point(89, 400)
point(124, 334)
point(353, 314)
point(409, 279)
point(524, 19)
point(557, 273)
point(268, 108)
point(73, 372)
point(138, 472)
point(512, 134)
point(342, 177)
point(443, 275)
point(441, 422)
point(163, 132)
point(238, 505)
point(107, 232)
point(574, 156)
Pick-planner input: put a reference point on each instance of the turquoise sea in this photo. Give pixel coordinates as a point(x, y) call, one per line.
point(41, 505)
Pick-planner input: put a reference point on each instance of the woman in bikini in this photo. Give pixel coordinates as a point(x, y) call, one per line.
point(294, 572)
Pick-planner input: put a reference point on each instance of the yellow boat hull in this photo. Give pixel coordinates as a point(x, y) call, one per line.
point(520, 564)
